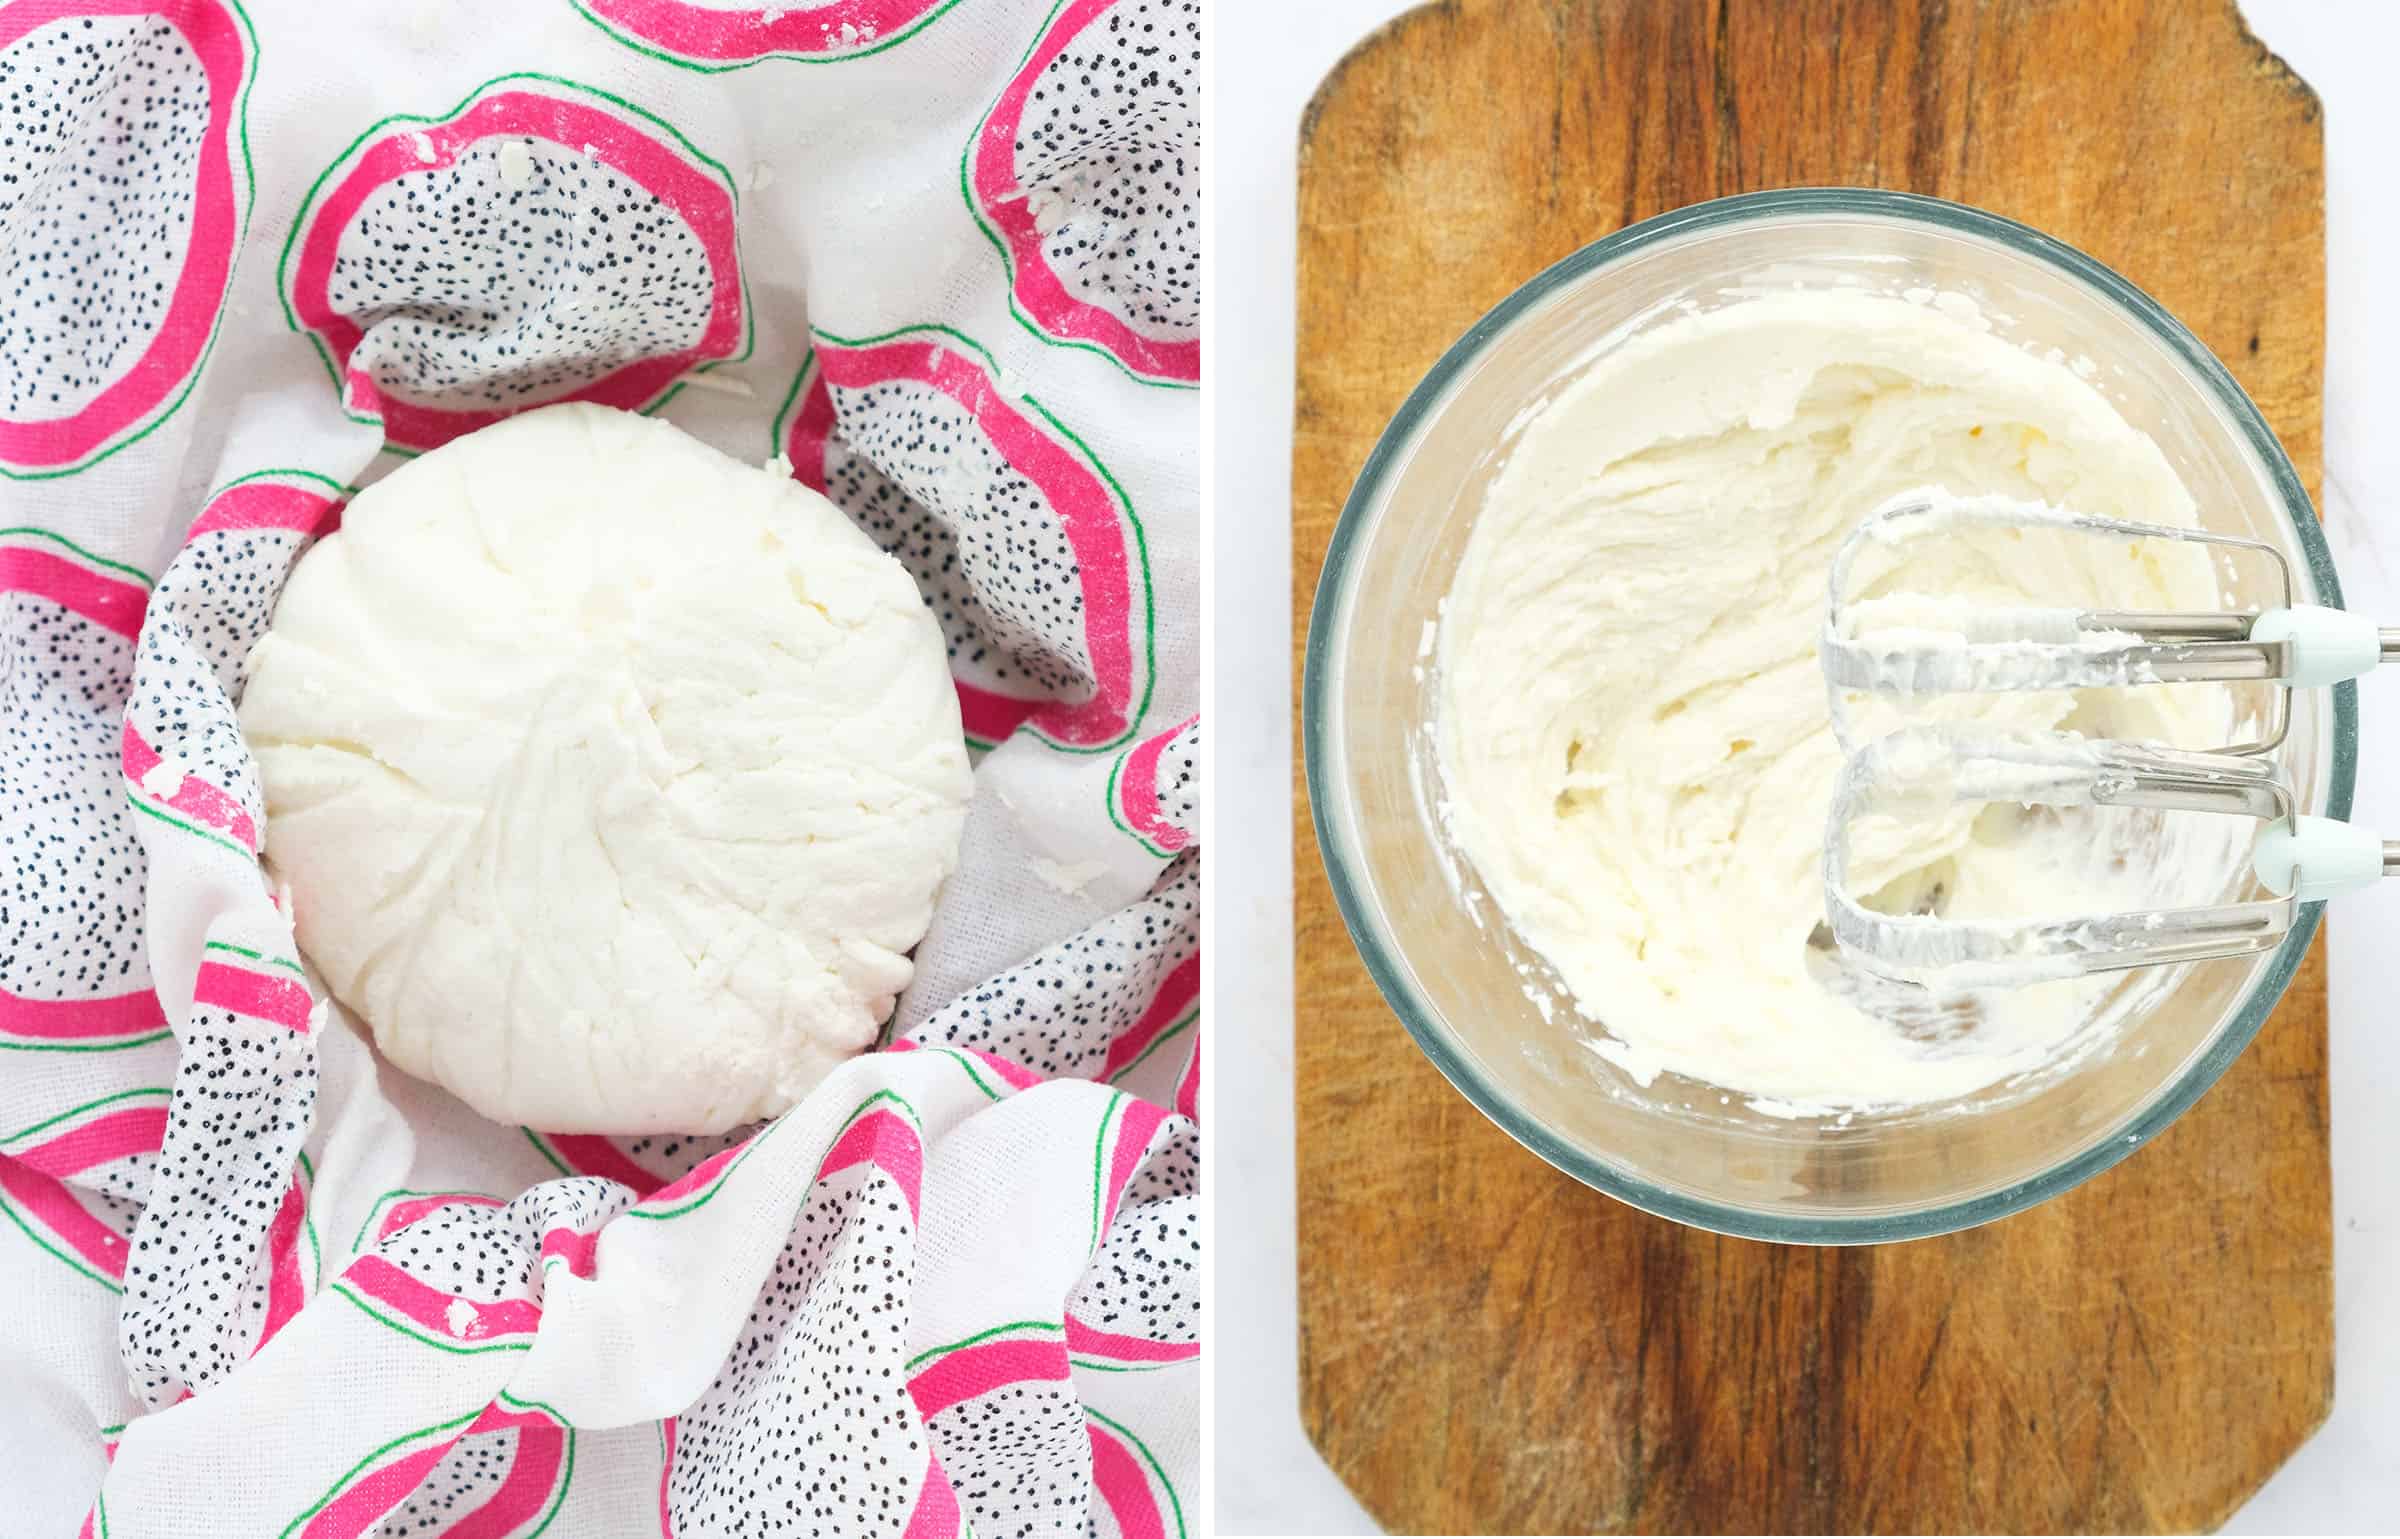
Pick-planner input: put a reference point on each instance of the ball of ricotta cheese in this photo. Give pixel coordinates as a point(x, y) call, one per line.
point(613, 778)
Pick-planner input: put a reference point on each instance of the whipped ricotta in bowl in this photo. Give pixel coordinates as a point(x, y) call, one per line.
point(1634, 737)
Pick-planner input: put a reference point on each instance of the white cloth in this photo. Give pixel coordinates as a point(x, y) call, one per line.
point(936, 252)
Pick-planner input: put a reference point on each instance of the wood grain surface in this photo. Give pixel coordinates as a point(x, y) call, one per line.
point(1487, 1346)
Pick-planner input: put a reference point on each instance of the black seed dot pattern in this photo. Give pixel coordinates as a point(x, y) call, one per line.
point(117, 1211)
point(474, 1250)
point(244, 1093)
point(222, 588)
point(71, 867)
point(1108, 152)
point(180, 704)
point(489, 1255)
point(471, 1473)
point(101, 127)
point(580, 1203)
point(1145, 1281)
point(671, 1156)
point(1020, 1460)
point(249, 1324)
point(809, 1428)
point(1179, 779)
point(127, 1180)
point(1057, 1013)
point(912, 468)
point(476, 294)
point(476, 1253)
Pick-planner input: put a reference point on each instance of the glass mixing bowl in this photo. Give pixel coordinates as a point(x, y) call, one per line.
point(1680, 1148)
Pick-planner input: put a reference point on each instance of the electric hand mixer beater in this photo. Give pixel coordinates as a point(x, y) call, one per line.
point(1908, 964)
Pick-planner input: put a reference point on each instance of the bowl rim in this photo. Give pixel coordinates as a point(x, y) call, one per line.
point(1361, 509)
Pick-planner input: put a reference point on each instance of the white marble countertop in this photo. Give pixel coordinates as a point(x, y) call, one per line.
point(1269, 56)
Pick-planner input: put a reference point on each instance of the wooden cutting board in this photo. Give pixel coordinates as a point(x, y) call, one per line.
point(1487, 1346)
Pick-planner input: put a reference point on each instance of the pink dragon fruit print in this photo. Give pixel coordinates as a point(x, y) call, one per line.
point(499, 1473)
point(1138, 1306)
point(74, 1181)
point(73, 974)
point(588, 253)
point(1026, 548)
point(215, 1266)
point(697, 35)
point(1006, 1428)
point(1154, 789)
point(1010, 1424)
point(226, 1254)
point(1085, 175)
point(95, 1522)
point(505, 1477)
point(275, 1291)
point(809, 1417)
point(181, 751)
point(462, 1271)
point(1102, 1004)
point(305, 503)
point(129, 172)
point(1136, 1500)
point(642, 1165)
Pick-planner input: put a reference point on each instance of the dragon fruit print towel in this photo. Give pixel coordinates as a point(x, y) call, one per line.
point(939, 258)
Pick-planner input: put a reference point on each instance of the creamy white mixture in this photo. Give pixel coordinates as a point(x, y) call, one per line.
point(1633, 729)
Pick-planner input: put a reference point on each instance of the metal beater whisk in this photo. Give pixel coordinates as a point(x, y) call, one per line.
point(1906, 645)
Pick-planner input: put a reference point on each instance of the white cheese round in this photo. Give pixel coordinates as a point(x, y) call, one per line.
point(613, 778)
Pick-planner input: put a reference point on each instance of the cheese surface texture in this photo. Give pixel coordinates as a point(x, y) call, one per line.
point(613, 778)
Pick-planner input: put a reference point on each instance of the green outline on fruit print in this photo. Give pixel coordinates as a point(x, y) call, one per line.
point(11, 1046)
point(241, 234)
point(966, 191)
point(259, 957)
point(566, 1469)
point(152, 1092)
point(340, 1286)
point(1116, 770)
point(1096, 1366)
point(776, 444)
point(89, 558)
point(1100, 1162)
point(308, 1224)
point(358, 1242)
point(1149, 1458)
point(779, 444)
point(543, 1150)
point(1182, 1025)
point(1035, 1327)
point(308, 204)
point(684, 61)
point(9, 1211)
point(968, 1064)
point(702, 1199)
point(189, 828)
point(342, 1481)
point(345, 492)
point(1133, 521)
